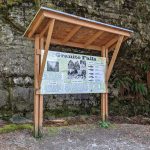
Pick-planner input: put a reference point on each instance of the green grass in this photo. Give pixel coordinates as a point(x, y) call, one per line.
point(104, 124)
point(53, 130)
point(14, 127)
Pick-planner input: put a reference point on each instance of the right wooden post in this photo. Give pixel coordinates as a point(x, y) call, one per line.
point(106, 82)
point(104, 96)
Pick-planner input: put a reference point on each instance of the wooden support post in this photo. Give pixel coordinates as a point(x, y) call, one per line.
point(103, 107)
point(48, 40)
point(113, 59)
point(36, 86)
point(106, 94)
point(41, 96)
point(38, 73)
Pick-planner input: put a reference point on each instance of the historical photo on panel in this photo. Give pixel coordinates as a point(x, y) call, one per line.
point(77, 69)
point(53, 66)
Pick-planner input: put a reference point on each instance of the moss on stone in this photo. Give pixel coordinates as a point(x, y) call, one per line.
point(5, 115)
point(10, 3)
point(14, 127)
point(60, 113)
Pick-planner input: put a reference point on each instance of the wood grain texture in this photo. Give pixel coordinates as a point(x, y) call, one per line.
point(36, 86)
point(85, 23)
point(45, 29)
point(111, 42)
point(41, 96)
point(77, 45)
point(71, 34)
point(103, 98)
point(35, 26)
point(113, 59)
point(50, 30)
point(93, 38)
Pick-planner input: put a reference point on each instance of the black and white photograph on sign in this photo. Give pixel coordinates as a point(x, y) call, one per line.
point(53, 66)
point(76, 69)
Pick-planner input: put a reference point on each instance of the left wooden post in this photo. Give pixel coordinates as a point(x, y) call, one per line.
point(41, 96)
point(36, 85)
point(38, 73)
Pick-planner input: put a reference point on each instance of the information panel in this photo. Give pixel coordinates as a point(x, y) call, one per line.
point(67, 73)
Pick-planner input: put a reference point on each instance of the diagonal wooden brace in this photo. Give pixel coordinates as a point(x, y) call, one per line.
point(45, 29)
point(48, 40)
point(93, 38)
point(113, 59)
point(71, 34)
point(36, 26)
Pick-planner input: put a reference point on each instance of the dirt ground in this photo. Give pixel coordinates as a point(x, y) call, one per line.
point(81, 137)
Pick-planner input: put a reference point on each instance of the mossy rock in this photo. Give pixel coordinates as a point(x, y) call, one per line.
point(15, 127)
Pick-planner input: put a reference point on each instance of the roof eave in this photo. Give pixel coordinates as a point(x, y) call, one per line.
point(76, 17)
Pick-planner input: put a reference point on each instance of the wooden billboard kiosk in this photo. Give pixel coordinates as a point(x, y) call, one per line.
point(55, 27)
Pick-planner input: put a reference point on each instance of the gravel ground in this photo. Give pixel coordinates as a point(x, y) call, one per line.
point(81, 137)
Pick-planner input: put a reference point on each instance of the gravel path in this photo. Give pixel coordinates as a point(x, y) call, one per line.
point(81, 137)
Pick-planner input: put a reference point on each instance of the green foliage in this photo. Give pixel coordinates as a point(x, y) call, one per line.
point(139, 88)
point(133, 96)
point(130, 86)
point(5, 115)
point(53, 131)
point(104, 124)
point(9, 3)
point(123, 83)
point(37, 3)
point(145, 67)
point(14, 127)
point(12, 2)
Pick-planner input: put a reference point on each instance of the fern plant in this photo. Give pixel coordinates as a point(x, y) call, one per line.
point(104, 124)
point(139, 88)
point(131, 87)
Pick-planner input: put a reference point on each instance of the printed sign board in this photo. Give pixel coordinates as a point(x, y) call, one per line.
point(68, 73)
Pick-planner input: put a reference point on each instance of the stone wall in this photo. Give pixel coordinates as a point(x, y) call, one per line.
point(16, 52)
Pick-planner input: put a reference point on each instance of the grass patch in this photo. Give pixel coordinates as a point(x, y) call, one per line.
point(53, 130)
point(104, 124)
point(14, 127)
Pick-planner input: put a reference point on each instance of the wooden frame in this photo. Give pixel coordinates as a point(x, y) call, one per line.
point(50, 30)
point(74, 32)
